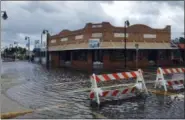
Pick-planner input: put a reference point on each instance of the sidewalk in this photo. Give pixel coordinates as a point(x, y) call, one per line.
point(10, 107)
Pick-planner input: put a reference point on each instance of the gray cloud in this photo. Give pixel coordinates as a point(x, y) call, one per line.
point(31, 17)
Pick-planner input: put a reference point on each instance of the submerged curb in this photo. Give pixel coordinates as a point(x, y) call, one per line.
point(10, 115)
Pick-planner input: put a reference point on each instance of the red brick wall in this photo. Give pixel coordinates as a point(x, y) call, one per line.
point(135, 33)
point(83, 65)
point(54, 59)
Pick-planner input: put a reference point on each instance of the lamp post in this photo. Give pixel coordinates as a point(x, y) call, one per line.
point(16, 43)
point(40, 48)
point(126, 25)
point(137, 48)
point(28, 38)
point(5, 17)
point(47, 52)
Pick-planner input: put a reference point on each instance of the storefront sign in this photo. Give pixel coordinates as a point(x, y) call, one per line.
point(94, 43)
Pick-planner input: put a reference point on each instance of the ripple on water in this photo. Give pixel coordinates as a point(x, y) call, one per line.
point(46, 91)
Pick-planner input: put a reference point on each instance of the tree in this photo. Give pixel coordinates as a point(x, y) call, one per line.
point(181, 40)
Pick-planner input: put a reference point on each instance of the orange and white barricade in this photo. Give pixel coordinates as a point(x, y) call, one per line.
point(97, 92)
point(175, 84)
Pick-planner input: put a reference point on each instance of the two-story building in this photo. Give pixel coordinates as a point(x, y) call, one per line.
point(102, 46)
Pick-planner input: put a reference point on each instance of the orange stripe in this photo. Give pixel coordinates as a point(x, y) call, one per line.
point(169, 83)
point(115, 92)
point(165, 71)
point(124, 91)
point(133, 89)
point(171, 70)
point(92, 95)
point(178, 70)
point(133, 74)
point(125, 75)
point(116, 76)
point(105, 93)
point(97, 78)
point(106, 77)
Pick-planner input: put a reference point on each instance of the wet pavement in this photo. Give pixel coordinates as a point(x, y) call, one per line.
point(50, 94)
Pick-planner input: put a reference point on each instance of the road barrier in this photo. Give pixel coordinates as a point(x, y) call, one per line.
point(167, 84)
point(96, 93)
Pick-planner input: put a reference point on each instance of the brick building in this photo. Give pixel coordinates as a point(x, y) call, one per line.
point(103, 44)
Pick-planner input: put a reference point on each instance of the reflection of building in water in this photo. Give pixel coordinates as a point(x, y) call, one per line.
point(108, 46)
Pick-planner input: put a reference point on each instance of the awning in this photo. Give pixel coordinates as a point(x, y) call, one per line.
point(114, 45)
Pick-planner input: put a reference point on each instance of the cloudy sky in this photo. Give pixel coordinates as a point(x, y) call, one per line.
point(29, 18)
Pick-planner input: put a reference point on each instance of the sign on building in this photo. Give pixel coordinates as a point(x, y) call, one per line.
point(94, 43)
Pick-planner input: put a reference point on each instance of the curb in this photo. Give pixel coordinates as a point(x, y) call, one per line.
point(10, 115)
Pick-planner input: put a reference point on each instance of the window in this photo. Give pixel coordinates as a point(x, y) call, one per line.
point(96, 34)
point(120, 35)
point(117, 55)
point(53, 41)
point(149, 35)
point(96, 26)
point(80, 55)
point(64, 39)
point(79, 37)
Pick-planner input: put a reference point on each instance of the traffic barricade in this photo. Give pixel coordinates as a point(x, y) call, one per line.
point(97, 93)
point(174, 84)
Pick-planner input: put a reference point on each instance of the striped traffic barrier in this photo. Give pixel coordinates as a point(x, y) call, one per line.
point(96, 92)
point(175, 84)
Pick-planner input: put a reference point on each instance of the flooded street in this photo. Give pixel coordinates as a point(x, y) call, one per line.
point(51, 95)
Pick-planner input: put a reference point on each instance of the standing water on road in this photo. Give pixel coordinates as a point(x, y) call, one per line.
point(50, 94)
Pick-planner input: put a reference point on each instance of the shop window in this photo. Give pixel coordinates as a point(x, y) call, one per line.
point(117, 55)
point(80, 55)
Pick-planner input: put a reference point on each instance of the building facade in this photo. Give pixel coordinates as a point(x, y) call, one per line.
point(102, 46)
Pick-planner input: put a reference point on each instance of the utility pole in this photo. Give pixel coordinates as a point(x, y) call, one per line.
point(137, 48)
point(28, 38)
point(47, 50)
point(126, 25)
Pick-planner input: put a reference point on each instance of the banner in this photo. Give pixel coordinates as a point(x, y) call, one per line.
point(94, 43)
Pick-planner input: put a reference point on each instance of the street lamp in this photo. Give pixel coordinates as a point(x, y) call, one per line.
point(28, 38)
point(47, 52)
point(126, 25)
point(137, 48)
point(5, 17)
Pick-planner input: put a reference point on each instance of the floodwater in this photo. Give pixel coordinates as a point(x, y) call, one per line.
point(52, 95)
